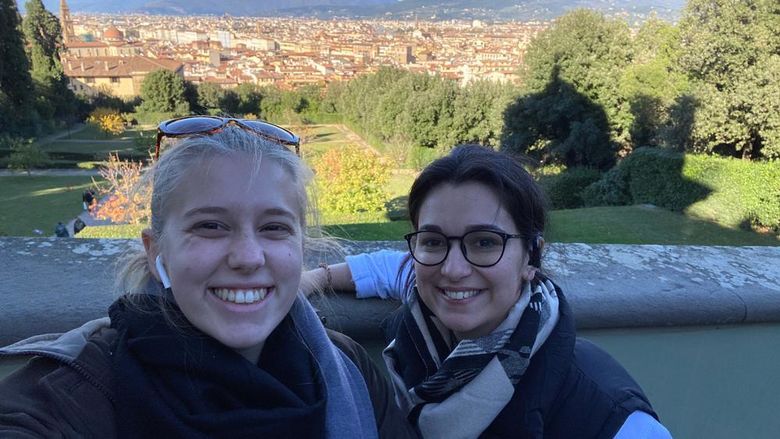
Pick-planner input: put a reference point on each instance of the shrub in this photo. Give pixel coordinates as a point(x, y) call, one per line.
point(744, 194)
point(108, 120)
point(658, 176)
point(351, 180)
point(729, 191)
point(26, 155)
point(610, 190)
point(118, 231)
point(126, 199)
point(564, 190)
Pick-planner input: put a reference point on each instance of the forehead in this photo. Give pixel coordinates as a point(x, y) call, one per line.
point(236, 181)
point(454, 207)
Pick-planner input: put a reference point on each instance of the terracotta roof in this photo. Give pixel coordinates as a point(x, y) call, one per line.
point(105, 66)
point(79, 44)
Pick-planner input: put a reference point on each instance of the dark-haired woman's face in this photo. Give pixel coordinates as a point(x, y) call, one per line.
point(469, 300)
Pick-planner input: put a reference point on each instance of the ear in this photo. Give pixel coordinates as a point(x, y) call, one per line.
point(150, 245)
point(529, 271)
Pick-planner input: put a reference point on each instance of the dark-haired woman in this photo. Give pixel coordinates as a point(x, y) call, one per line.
point(485, 344)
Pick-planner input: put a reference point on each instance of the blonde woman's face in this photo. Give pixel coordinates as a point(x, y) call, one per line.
point(233, 249)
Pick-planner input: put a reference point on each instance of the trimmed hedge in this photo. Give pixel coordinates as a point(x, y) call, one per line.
point(564, 190)
point(729, 191)
point(114, 231)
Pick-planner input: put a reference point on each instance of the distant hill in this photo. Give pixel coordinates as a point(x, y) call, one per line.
point(395, 9)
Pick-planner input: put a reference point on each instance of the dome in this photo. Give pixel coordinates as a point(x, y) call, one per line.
point(112, 33)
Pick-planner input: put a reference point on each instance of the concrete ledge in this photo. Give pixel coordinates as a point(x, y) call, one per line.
point(52, 285)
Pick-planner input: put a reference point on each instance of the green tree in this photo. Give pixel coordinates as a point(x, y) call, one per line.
point(479, 113)
point(427, 113)
point(26, 155)
point(229, 102)
point(191, 96)
point(730, 51)
point(652, 84)
point(249, 97)
point(44, 39)
point(589, 52)
point(312, 99)
point(16, 88)
point(164, 91)
point(559, 125)
point(210, 96)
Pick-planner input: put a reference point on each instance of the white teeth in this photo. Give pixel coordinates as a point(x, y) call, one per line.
point(460, 295)
point(240, 296)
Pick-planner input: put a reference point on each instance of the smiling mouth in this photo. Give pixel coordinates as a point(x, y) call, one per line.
point(460, 295)
point(242, 296)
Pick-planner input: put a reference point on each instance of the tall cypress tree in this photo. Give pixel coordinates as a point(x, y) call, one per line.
point(16, 88)
point(44, 37)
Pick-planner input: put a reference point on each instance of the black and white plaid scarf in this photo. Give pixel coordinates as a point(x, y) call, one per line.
point(459, 392)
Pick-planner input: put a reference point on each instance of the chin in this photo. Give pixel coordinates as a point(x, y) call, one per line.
point(458, 326)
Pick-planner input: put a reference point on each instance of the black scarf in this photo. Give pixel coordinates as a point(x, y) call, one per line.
point(179, 382)
point(434, 381)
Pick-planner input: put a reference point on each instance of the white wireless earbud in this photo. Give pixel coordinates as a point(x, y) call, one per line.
point(166, 281)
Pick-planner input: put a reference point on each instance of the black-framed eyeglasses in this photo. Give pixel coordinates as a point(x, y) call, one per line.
point(481, 248)
point(193, 125)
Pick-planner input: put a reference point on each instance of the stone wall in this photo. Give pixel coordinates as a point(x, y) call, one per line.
point(52, 285)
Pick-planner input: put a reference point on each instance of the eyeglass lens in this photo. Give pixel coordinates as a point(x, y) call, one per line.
point(191, 125)
point(482, 247)
point(269, 130)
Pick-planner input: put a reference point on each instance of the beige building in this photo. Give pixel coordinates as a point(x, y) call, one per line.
point(114, 75)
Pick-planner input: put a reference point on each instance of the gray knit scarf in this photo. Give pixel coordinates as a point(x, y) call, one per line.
point(458, 393)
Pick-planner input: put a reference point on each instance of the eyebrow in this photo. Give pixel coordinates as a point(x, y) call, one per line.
point(273, 211)
point(435, 228)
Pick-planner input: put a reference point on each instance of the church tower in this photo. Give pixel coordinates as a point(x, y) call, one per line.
point(68, 36)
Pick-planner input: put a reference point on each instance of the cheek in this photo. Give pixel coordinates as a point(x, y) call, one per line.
point(424, 274)
point(289, 258)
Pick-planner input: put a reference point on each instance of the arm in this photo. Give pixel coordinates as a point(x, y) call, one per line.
point(317, 279)
point(368, 274)
point(30, 407)
point(390, 421)
point(641, 425)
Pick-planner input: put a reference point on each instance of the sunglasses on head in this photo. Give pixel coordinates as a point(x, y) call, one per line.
point(194, 125)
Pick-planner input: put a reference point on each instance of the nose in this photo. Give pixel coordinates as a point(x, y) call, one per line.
point(246, 253)
point(455, 265)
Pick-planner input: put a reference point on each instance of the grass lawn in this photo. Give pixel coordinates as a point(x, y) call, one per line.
point(90, 140)
point(87, 147)
point(91, 132)
point(645, 225)
point(598, 225)
point(320, 139)
point(38, 202)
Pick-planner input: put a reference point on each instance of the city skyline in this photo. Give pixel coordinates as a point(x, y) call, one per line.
point(491, 10)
